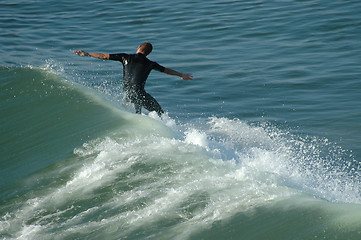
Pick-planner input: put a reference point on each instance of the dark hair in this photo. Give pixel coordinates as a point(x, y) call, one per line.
point(146, 48)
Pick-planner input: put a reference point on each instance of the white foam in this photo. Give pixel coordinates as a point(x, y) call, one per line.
point(193, 136)
point(200, 177)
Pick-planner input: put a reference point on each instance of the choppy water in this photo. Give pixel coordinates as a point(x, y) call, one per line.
point(264, 143)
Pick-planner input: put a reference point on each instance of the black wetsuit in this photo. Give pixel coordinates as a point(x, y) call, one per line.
point(136, 68)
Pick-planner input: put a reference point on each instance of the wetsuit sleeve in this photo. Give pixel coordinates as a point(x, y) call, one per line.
point(158, 67)
point(117, 56)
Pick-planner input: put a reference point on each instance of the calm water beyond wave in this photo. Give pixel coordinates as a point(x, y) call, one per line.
point(264, 143)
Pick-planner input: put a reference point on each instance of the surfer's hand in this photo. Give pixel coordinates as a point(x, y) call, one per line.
point(81, 53)
point(187, 76)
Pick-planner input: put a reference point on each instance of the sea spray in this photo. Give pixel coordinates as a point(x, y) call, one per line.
point(314, 165)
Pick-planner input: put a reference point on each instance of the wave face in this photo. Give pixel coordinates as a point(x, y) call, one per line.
point(76, 166)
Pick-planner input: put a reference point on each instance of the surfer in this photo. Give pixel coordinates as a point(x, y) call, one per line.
point(136, 68)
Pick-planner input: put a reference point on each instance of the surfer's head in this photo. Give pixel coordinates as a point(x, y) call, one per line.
point(145, 48)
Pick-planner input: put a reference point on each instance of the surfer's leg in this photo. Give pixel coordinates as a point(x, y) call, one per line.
point(151, 104)
point(136, 99)
point(138, 108)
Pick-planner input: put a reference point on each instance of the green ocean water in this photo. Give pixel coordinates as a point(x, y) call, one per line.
point(264, 143)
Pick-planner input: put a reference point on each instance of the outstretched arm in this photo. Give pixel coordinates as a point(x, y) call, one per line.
point(184, 76)
point(103, 56)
